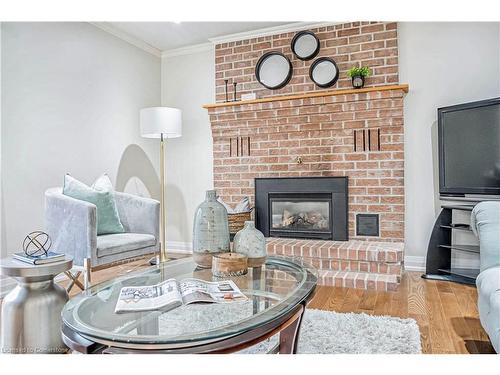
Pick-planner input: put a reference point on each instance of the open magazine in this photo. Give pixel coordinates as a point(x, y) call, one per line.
point(170, 294)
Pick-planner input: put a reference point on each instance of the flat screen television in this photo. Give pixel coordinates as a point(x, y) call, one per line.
point(469, 148)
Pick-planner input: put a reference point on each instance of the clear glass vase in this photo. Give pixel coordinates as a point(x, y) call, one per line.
point(251, 242)
point(210, 230)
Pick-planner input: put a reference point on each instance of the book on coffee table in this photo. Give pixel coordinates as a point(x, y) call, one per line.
point(50, 257)
point(170, 294)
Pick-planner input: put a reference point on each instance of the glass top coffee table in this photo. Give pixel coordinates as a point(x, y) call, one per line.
point(277, 295)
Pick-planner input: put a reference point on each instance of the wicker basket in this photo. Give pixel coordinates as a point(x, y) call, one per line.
point(237, 221)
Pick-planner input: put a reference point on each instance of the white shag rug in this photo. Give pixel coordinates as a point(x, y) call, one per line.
point(322, 332)
point(326, 332)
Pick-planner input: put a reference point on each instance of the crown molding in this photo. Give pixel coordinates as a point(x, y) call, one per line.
point(202, 47)
point(139, 43)
point(289, 27)
point(188, 50)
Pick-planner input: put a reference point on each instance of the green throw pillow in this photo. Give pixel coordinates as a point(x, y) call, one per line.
point(100, 194)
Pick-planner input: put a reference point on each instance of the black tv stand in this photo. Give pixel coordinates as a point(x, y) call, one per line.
point(438, 263)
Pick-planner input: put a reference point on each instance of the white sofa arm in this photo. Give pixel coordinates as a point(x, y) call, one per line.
point(72, 225)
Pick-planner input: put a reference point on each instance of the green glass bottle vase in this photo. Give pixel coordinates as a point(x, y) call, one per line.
point(210, 230)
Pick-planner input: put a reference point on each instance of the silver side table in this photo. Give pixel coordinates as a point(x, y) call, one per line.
point(31, 312)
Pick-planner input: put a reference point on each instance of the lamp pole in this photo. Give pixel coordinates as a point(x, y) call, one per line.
point(162, 123)
point(163, 245)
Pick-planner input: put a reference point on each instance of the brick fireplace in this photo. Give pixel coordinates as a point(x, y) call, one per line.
point(302, 131)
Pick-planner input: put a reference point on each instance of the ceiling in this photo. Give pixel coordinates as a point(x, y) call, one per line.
point(170, 35)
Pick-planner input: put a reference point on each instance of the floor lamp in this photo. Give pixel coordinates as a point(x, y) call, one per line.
point(162, 123)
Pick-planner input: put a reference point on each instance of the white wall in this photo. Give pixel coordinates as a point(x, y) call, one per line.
point(71, 95)
point(188, 82)
point(444, 64)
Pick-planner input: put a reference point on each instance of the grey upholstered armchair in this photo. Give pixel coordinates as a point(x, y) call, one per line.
point(71, 223)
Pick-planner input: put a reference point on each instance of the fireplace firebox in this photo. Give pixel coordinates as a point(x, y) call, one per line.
point(302, 207)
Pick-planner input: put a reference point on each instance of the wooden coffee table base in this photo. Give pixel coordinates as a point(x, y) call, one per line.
point(287, 326)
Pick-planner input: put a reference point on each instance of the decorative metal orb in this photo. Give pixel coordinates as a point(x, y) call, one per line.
point(37, 243)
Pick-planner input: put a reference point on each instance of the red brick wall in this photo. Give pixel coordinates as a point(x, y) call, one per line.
point(318, 130)
point(321, 131)
point(357, 43)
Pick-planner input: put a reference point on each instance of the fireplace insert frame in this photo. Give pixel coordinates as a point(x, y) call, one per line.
point(312, 233)
point(336, 187)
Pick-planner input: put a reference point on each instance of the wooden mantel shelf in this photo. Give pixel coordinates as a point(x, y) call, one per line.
point(310, 94)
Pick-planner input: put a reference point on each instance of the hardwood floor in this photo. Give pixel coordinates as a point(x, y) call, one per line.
point(445, 312)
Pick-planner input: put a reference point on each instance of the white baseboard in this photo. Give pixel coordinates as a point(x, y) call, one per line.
point(180, 247)
point(413, 263)
point(416, 263)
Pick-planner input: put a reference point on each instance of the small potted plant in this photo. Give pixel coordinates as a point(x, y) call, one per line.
point(358, 75)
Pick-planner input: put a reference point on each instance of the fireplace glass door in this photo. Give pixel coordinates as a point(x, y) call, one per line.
point(301, 216)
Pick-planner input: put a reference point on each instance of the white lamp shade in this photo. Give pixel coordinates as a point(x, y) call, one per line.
point(156, 121)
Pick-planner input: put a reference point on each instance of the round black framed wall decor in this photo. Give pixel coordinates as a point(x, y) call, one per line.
point(273, 70)
point(305, 45)
point(324, 72)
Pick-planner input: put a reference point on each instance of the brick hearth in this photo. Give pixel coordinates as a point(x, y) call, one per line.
point(355, 264)
point(333, 133)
